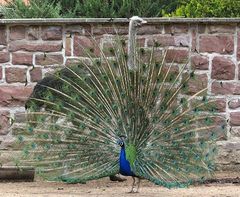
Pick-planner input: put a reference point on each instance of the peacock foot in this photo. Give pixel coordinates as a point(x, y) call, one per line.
point(135, 190)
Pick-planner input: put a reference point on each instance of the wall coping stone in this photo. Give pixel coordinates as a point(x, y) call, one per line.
point(117, 20)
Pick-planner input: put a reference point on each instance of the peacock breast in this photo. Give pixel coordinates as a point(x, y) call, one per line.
point(125, 167)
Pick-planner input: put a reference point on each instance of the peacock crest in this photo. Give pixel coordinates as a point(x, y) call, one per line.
point(76, 115)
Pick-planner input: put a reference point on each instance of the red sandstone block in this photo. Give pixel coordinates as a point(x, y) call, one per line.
point(226, 88)
point(52, 33)
point(222, 68)
point(235, 118)
point(220, 104)
point(4, 57)
point(194, 38)
point(17, 32)
point(4, 122)
point(199, 62)
point(76, 61)
point(177, 55)
point(150, 29)
point(141, 41)
point(202, 28)
point(68, 45)
point(176, 28)
point(110, 43)
point(234, 103)
point(22, 58)
point(108, 46)
point(106, 29)
point(47, 59)
point(80, 29)
point(223, 44)
point(72, 61)
point(14, 95)
point(157, 55)
point(33, 33)
point(35, 46)
point(168, 40)
point(15, 74)
point(221, 29)
point(84, 45)
point(3, 35)
point(173, 71)
point(36, 74)
point(198, 83)
point(162, 40)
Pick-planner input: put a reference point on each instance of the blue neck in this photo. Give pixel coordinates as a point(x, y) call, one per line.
point(125, 168)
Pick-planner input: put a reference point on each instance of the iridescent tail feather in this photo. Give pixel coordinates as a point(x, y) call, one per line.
point(76, 115)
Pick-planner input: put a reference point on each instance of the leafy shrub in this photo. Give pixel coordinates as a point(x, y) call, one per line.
point(87, 8)
point(120, 8)
point(209, 8)
point(111, 8)
point(35, 9)
point(69, 8)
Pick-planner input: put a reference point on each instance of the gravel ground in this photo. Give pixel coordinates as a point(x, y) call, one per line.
point(106, 188)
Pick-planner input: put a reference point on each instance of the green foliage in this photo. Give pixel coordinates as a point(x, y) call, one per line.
point(88, 8)
point(120, 8)
point(112, 8)
point(69, 8)
point(35, 9)
point(210, 8)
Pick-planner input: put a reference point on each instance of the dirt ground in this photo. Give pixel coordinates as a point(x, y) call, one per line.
point(106, 188)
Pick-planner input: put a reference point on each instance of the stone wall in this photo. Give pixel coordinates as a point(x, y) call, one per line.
point(213, 47)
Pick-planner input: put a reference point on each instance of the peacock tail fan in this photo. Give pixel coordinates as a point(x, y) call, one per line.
point(76, 115)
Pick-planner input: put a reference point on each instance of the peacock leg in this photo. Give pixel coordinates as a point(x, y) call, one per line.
point(138, 184)
point(134, 180)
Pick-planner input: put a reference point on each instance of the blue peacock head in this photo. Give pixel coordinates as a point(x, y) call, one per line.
point(121, 141)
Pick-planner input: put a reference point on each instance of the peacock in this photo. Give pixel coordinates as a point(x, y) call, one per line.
point(124, 111)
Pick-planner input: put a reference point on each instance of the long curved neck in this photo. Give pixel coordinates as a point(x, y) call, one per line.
point(131, 46)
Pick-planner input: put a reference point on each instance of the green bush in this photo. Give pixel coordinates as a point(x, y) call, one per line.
point(111, 8)
point(35, 9)
point(88, 8)
point(209, 8)
point(69, 8)
point(120, 8)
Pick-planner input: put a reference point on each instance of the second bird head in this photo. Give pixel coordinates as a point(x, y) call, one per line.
point(137, 21)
